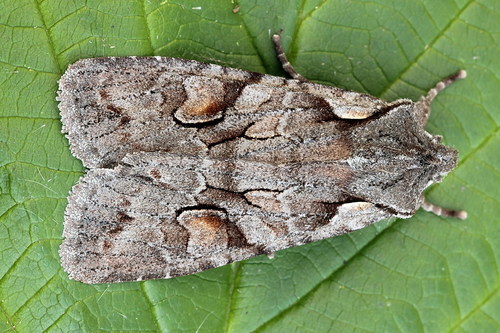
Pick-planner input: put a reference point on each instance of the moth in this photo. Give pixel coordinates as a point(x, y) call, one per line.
point(193, 166)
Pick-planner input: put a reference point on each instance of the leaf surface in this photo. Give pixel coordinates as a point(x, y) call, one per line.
point(422, 274)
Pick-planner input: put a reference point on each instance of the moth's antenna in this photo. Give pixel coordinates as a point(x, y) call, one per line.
point(439, 211)
point(287, 66)
point(423, 107)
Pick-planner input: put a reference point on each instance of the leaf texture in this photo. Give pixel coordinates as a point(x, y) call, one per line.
point(423, 274)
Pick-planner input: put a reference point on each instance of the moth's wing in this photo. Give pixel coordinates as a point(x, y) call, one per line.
point(114, 106)
point(158, 215)
point(124, 225)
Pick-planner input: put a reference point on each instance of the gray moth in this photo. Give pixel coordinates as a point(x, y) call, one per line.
point(193, 166)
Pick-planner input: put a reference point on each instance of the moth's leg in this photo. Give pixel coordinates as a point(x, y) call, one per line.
point(287, 66)
point(439, 211)
point(423, 107)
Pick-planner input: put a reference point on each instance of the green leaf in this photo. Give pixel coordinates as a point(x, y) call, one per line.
point(423, 274)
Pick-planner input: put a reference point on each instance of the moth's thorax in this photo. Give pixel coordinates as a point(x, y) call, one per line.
point(386, 159)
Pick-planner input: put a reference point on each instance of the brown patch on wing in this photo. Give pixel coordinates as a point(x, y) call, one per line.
point(116, 230)
point(155, 173)
point(308, 101)
point(114, 109)
point(337, 150)
point(123, 217)
point(204, 100)
point(207, 230)
point(124, 137)
point(124, 120)
point(236, 237)
point(207, 226)
point(334, 150)
point(106, 245)
point(104, 94)
point(340, 173)
point(208, 106)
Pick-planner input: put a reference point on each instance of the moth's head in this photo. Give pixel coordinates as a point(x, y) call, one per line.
point(444, 158)
point(400, 160)
point(429, 153)
point(432, 159)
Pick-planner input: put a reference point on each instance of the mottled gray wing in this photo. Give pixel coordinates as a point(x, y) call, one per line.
point(160, 215)
point(113, 106)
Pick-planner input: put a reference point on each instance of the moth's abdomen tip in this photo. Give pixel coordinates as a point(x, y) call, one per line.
point(462, 74)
